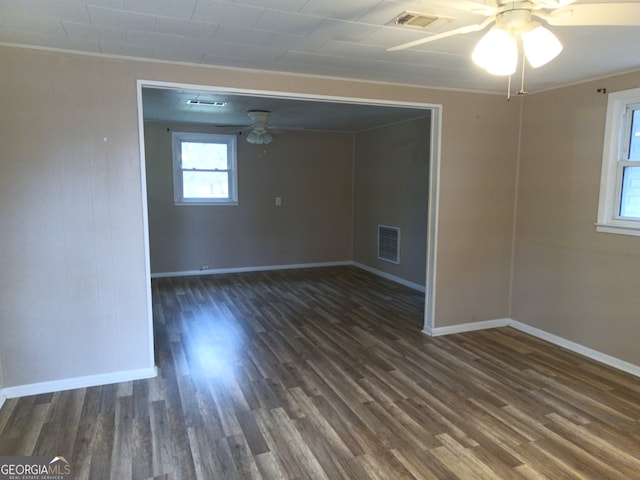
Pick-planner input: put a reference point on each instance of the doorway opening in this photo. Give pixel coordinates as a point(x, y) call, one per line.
point(291, 119)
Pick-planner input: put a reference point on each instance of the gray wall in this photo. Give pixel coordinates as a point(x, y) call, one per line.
point(476, 205)
point(569, 279)
point(73, 284)
point(311, 171)
point(391, 187)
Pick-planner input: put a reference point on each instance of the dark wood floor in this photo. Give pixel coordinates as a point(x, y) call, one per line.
point(324, 374)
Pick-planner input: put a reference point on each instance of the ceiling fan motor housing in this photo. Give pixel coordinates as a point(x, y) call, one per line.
point(259, 117)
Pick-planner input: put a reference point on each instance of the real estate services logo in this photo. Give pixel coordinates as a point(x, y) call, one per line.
point(35, 468)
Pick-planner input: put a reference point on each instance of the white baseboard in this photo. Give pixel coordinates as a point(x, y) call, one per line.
point(577, 348)
point(77, 382)
point(2, 399)
point(218, 271)
point(467, 327)
point(388, 276)
point(543, 335)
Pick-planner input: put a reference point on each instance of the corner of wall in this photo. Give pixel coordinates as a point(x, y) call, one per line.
point(514, 226)
point(2, 395)
point(557, 340)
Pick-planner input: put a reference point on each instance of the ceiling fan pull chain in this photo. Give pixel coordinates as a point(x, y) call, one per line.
point(509, 88)
point(522, 90)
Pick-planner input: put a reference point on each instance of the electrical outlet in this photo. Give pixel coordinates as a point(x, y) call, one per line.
point(204, 267)
point(278, 201)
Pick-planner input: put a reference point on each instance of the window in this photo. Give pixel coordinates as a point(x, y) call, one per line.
point(204, 169)
point(619, 208)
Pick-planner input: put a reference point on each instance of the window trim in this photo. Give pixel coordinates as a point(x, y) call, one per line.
point(178, 195)
point(617, 124)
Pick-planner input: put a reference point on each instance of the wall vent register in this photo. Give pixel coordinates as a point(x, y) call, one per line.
point(389, 243)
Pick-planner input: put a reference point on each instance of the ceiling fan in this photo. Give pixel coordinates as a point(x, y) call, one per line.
point(513, 22)
point(259, 130)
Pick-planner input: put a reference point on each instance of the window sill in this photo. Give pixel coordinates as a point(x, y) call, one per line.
point(618, 229)
point(206, 204)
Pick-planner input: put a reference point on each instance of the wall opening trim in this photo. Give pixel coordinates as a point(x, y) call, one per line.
point(434, 163)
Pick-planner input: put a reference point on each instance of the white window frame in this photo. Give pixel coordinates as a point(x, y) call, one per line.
point(614, 159)
point(230, 140)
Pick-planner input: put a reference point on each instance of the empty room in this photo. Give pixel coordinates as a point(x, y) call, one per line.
point(319, 239)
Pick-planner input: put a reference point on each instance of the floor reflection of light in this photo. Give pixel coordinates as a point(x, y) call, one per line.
point(213, 346)
point(215, 359)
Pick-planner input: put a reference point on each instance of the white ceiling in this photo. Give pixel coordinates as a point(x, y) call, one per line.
point(337, 38)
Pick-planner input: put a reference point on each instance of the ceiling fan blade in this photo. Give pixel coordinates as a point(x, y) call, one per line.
point(594, 14)
point(481, 7)
point(552, 4)
point(439, 36)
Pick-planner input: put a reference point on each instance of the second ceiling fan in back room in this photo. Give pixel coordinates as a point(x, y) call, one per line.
point(259, 130)
point(516, 25)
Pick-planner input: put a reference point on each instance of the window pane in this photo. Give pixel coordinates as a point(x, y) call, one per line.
point(206, 156)
point(205, 184)
point(634, 141)
point(630, 199)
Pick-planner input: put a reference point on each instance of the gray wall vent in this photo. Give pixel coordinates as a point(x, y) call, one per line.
point(389, 243)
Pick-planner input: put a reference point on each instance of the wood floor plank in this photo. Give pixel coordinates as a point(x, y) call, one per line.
point(324, 373)
point(102, 447)
point(28, 438)
point(243, 459)
point(122, 458)
point(141, 449)
point(462, 461)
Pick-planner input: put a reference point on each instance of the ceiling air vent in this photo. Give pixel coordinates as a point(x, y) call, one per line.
point(413, 19)
point(208, 103)
point(389, 244)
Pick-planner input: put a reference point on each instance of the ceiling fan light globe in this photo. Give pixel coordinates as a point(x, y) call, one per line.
point(252, 138)
point(540, 45)
point(496, 52)
point(259, 138)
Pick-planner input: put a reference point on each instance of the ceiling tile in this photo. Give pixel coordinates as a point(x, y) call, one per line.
point(342, 30)
point(287, 22)
point(339, 9)
point(226, 13)
point(21, 37)
point(164, 8)
point(108, 17)
point(218, 50)
point(186, 28)
point(242, 35)
point(260, 54)
point(98, 33)
point(55, 9)
point(284, 5)
point(37, 25)
point(287, 41)
point(152, 40)
point(66, 43)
